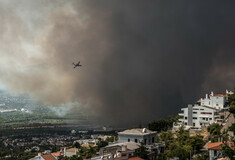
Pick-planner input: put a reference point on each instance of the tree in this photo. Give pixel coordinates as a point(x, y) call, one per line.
point(102, 143)
point(142, 151)
point(166, 137)
point(232, 109)
point(214, 130)
point(177, 150)
point(196, 142)
point(228, 151)
point(76, 145)
point(162, 124)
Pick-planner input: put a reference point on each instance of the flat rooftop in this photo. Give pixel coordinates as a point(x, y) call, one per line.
point(138, 131)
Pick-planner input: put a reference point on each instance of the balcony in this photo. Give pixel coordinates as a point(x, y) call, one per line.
point(181, 114)
point(181, 120)
point(204, 121)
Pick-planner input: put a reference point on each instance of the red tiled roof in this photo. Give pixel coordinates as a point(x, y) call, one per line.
point(57, 154)
point(217, 145)
point(219, 95)
point(72, 150)
point(48, 157)
point(135, 158)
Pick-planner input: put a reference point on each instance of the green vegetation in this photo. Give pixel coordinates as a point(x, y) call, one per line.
point(15, 152)
point(181, 144)
point(231, 103)
point(162, 124)
point(228, 151)
point(215, 133)
point(142, 151)
point(231, 99)
point(87, 152)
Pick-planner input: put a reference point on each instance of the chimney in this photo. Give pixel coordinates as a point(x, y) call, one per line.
point(206, 96)
point(226, 91)
point(212, 93)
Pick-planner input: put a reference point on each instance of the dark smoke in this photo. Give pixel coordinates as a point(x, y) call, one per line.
point(142, 60)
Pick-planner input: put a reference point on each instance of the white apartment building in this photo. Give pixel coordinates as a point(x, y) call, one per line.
point(205, 113)
point(215, 100)
point(198, 116)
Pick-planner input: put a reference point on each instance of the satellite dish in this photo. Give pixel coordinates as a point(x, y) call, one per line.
point(144, 130)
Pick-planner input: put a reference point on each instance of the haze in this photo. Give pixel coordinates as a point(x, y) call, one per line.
point(142, 60)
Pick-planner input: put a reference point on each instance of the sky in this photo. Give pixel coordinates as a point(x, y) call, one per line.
point(142, 60)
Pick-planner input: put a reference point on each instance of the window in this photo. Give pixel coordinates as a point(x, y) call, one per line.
point(215, 152)
point(193, 124)
point(145, 141)
point(217, 104)
point(136, 140)
point(194, 117)
point(194, 112)
point(153, 139)
point(206, 113)
point(185, 123)
point(200, 124)
point(128, 140)
point(206, 119)
point(203, 118)
point(185, 117)
point(210, 118)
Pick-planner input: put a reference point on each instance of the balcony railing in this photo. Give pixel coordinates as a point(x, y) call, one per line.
point(181, 120)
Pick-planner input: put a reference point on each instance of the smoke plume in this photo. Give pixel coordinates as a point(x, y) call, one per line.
point(142, 60)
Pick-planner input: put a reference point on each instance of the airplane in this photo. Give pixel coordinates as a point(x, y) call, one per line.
point(77, 65)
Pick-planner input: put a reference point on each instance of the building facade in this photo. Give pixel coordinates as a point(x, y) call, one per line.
point(198, 116)
point(204, 113)
point(138, 135)
point(215, 100)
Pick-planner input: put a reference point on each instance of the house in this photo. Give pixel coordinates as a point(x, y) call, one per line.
point(138, 135)
point(118, 147)
point(70, 152)
point(215, 100)
point(204, 113)
point(215, 149)
point(58, 155)
point(44, 157)
point(120, 151)
point(145, 136)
